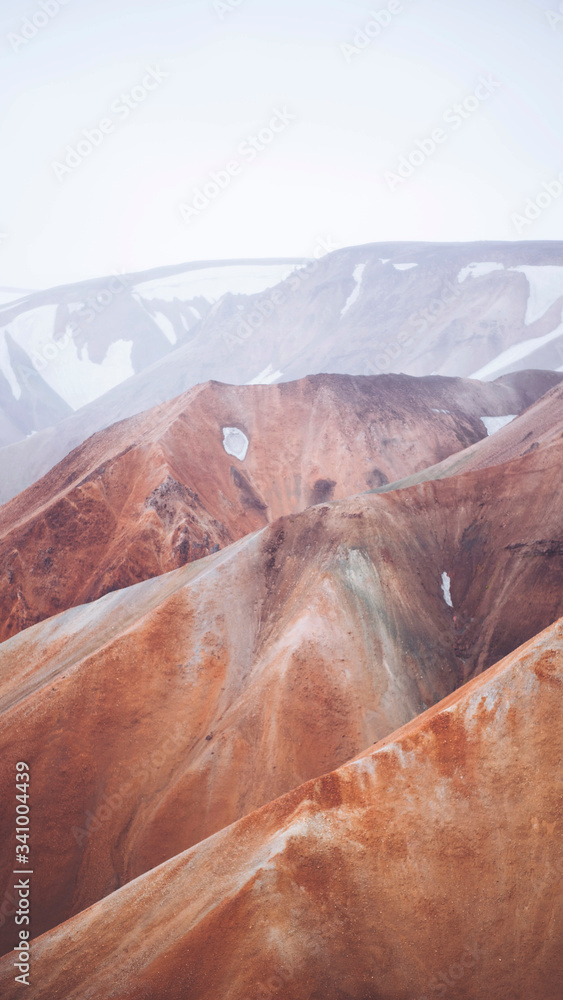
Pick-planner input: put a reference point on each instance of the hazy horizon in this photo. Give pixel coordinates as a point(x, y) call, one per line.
point(169, 99)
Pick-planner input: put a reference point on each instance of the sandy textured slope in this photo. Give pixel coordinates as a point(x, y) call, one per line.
point(430, 866)
point(160, 714)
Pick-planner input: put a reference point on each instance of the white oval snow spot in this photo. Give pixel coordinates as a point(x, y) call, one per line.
point(235, 442)
point(404, 267)
point(446, 589)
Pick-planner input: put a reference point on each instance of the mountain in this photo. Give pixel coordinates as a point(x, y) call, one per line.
point(474, 310)
point(158, 715)
point(13, 294)
point(541, 424)
point(193, 475)
point(477, 310)
point(75, 342)
point(24, 405)
point(281, 633)
point(428, 865)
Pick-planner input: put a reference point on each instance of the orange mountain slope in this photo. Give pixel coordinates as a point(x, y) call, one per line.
point(429, 866)
point(156, 491)
point(160, 714)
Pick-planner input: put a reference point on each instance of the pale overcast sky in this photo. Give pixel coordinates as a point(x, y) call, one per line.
point(220, 73)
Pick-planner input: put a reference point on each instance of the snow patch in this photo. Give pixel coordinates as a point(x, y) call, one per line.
point(516, 353)
point(358, 277)
point(68, 371)
point(13, 295)
point(478, 270)
point(267, 377)
point(79, 380)
point(235, 442)
point(494, 424)
point(165, 325)
point(404, 267)
point(440, 411)
point(33, 329)
point(213, 282)
point(446, 589)
point(546, 286)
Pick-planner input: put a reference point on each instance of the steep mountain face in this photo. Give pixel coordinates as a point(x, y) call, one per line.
point(476, 310)
point(158, 715)
point(26, 400)
point(188, 477)
point(540, 425)
point(69, 345)
point(428, 865)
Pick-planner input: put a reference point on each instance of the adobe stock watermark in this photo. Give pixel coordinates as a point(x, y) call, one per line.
point(120, 109)
point(219, 180)
point(390, 353)
point(418, 322)
point(225, 7)
point(555, 17)
point(96, 304)
point(454, 118)
point(267, 305)
point(536, 205)
point(445, 981)
point(32, 25)
point(371, 30)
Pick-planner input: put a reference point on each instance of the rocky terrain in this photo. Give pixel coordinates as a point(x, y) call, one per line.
point(429, 865)
point(541, 424)
point(191, 476)
point(283, 650)
point(159, 715)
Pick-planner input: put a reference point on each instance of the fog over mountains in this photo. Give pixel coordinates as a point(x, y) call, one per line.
point(76, 359)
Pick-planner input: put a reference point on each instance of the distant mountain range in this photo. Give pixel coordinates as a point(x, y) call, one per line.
point(77, 358)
